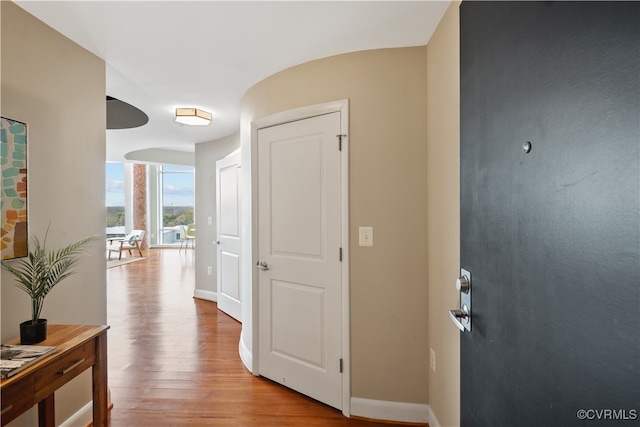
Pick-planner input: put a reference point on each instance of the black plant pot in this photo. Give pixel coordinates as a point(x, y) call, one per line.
point(33, 334)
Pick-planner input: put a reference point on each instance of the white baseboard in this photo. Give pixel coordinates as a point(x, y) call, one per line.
point(85, 415)
point(206, 295)
point(367, 408)
point(390, 411)
point(433, 421)
point(81, 418)
point(245, 355)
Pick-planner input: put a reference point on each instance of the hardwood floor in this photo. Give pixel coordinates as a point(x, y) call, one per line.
point(173, 359)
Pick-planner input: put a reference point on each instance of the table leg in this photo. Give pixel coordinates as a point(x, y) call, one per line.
point(100, 411)
point(47, 412)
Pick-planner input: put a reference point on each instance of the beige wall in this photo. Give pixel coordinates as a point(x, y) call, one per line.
point(443, 159)
point(58, 89)
point(388, 150)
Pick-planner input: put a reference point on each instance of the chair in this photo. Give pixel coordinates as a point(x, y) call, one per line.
point(191, 235)
point(183, 236)
point(129, 242)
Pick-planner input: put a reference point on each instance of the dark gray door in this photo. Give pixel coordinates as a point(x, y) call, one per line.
point(551, 237)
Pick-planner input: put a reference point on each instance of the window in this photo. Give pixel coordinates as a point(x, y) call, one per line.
point(177, 201)
point(115, 197)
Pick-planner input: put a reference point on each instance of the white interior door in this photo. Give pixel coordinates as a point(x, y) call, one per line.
point(228, 231)
point(299, 238)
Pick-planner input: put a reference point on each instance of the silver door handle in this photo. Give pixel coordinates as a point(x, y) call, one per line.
point(456, 315)
point(462, 317)
point(262, 266)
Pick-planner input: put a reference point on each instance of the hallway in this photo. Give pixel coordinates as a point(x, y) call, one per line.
point(173, 359)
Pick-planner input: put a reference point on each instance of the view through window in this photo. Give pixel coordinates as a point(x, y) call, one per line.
point(173, 204)
point(177, 201)
point(115, 198)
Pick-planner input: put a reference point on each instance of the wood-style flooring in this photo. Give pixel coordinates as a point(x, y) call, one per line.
point(173, 359)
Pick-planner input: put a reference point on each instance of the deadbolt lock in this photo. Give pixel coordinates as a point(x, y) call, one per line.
point(462, 284)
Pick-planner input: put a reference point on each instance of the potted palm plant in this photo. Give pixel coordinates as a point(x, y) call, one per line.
point(37, 274)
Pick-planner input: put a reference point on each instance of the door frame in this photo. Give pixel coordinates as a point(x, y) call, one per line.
point(341, 106)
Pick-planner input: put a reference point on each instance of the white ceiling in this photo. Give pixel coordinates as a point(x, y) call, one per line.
point(206, 54)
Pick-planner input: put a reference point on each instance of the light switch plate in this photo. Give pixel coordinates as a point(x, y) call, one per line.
point(366, 236)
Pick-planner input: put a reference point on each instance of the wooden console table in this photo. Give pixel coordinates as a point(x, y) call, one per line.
point(78, 347)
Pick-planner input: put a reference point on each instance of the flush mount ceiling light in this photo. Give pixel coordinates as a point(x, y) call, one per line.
point(192, 117)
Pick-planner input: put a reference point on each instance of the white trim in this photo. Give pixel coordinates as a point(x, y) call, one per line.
point(296, 114)
point(302, 113)
point(245, 354)
point(346, 288)
point(83, 417)
point(255, 320)
point(390, 411)
point(433, 421)
point(206, 295)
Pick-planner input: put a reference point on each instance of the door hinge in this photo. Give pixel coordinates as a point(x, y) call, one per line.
point(340, 365)
point(340, 255)
point(340, 141)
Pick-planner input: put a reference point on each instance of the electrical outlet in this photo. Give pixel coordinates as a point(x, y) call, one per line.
point(366, 236)
point(433, 360)
point(210, 220)
point(209, 270)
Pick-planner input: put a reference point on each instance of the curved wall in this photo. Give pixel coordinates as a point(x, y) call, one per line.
point(387, 91)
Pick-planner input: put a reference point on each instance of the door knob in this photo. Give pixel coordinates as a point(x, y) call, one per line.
point(262, 266)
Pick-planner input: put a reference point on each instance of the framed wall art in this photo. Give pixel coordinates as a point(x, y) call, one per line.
point(14, 233)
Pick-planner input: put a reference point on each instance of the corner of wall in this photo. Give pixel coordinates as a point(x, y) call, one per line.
point(206, 156)
point(443, 217)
